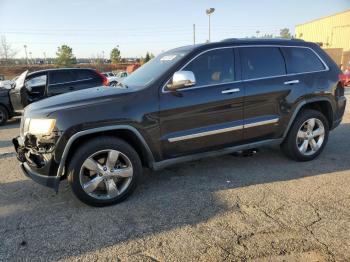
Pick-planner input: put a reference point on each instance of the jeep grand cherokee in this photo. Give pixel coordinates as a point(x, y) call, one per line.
point(187, 103)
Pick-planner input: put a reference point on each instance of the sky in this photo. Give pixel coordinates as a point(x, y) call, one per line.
point(93, 28)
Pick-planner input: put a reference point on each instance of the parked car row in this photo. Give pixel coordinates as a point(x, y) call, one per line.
point(115, 79)
point(31, 87)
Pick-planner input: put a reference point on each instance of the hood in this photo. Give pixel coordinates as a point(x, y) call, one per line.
point(82, 98)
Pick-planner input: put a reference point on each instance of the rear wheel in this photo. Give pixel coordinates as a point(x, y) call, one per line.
point(104, 171)
point(307, 137)
point(3, 115)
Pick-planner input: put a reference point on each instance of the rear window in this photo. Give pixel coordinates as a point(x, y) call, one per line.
point(83, 74)
point(58, 77)
point(302, 60)
point(260, 62)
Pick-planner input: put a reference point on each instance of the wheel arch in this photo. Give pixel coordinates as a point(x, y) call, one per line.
point(324, 105)
point(127, 133)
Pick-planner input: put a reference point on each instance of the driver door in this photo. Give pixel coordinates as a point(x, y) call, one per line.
point(208, 115)
point(28, 89)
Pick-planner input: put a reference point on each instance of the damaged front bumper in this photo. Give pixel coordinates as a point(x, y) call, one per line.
point(39, 166)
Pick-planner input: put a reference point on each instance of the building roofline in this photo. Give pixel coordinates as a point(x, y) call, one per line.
point(323, 17)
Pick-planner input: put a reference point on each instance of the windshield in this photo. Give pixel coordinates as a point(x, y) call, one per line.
point(150, 71)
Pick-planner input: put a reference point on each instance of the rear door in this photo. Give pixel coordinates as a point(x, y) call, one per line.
point(60, 81)
point(264, 77)
point(208, 115)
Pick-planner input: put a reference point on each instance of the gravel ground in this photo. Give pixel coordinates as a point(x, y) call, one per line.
point(261, 208)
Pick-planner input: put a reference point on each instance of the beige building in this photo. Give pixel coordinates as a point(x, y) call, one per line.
point(331, 32)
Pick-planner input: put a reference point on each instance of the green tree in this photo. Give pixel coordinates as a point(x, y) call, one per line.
point(148, 57)
point(115, 55)
point(284, 33)
point(65, 56)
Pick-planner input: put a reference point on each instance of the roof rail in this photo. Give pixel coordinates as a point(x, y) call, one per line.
point(277, 38)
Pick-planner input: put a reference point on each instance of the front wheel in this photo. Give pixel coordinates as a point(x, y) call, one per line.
point(307, 137)
point(104, 171)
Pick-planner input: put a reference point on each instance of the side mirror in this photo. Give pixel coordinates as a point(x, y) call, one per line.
point(181, 79)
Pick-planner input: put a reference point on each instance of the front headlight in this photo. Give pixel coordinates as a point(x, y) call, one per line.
point(40, 126)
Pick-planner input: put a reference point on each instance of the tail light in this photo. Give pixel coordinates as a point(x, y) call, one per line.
point(342, 79)
point(105, 81)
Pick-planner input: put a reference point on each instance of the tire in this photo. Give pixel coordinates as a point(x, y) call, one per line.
point(306, 145)
point(3, 115)
point(82, 170)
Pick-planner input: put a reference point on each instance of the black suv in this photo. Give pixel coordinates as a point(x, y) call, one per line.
point(187, 103)
point(31, 87)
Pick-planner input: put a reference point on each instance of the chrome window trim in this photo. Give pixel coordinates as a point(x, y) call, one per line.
point(223, 130)
point(74, 81)
point(164, 91)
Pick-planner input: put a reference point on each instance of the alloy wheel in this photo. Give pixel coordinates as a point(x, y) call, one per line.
point(106, 174)
point(310, 136)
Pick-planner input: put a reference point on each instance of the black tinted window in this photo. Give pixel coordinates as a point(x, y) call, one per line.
point(300, 60)
point(213, 67)
point(258, 62)
point(83, 74)
point(60, 77)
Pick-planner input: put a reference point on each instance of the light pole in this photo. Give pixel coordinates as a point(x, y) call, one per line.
point(31, 58)
point(25, 50)
point(209, 12)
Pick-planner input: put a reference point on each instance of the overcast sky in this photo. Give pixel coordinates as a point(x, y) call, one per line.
point(94, 27)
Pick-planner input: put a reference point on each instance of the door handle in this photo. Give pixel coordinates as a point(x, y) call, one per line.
point(71, 88)
point(292, 82)
point(229, 91)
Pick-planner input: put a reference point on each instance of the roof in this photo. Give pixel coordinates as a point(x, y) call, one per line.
point(240, 41)
point(56, 69)
point(323, 17)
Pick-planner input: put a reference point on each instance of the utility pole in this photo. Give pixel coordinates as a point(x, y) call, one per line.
point(209, 12)
point(194, 34)
point(45, 62)
point(31, 57)
point(25, 50)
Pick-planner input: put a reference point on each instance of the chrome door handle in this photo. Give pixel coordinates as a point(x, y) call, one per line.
point(229, 91)
point(291, 82)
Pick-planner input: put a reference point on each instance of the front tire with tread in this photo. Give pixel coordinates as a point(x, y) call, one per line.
point(91, 147)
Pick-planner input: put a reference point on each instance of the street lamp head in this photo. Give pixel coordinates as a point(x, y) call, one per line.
point(210, 11)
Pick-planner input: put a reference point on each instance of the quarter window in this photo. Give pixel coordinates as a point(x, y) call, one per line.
point(213, 67)
point(83, 74)
point(260, 62)
point(302, 60)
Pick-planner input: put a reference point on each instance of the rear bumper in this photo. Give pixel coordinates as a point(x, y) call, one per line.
point(49, 181)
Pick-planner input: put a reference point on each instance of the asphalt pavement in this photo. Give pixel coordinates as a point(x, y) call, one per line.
point(229, 208)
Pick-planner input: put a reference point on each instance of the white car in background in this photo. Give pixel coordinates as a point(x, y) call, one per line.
point(115, 79)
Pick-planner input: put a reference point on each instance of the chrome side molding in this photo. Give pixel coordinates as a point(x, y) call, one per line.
point(229, 91)
point(292, 82)
point(223, 130)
